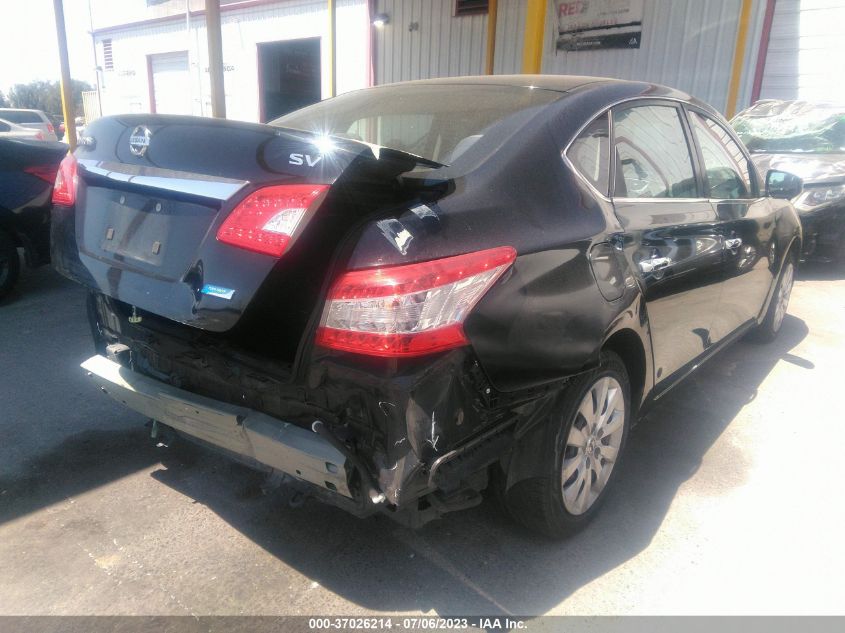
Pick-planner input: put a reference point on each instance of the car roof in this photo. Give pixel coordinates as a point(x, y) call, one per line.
point(563, 84)
point(558, 83)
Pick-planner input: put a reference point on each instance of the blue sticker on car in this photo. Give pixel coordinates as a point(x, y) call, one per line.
point(217, 291)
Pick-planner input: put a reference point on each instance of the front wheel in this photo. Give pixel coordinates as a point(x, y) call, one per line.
point(10, 264)
point(585, 443)
point(768, 330)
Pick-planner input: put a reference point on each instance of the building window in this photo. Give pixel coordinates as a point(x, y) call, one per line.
point(470, 7)
point(108, 61)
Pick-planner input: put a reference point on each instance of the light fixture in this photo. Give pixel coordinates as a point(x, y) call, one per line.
point(380, 19)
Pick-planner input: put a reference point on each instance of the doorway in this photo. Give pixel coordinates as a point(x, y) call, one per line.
point(170, 83)
point(288, 76)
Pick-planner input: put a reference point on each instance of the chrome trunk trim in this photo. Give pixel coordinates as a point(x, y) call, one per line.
point(215, 187)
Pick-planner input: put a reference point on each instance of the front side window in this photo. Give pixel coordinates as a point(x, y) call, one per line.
point(652, 155)
point(589, 153)
point(725, 165)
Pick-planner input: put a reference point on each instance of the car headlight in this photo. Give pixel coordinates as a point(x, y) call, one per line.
point(814, 197)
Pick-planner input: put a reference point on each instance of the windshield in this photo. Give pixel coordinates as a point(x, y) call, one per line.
point(792, 126)
point(438, 122)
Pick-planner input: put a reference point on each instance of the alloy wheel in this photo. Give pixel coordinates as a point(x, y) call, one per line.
point(784, 290)
point(593, 445)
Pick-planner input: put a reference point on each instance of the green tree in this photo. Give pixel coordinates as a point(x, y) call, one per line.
point(46, 96)
point(4, 102)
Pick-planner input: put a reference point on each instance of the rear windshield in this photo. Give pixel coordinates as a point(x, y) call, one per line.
point(20, 116)
point(438, 122)
point(792, 126)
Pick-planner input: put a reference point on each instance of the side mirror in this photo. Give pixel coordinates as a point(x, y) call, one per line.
point(782, 184)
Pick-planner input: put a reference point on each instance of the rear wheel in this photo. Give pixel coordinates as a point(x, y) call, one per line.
point(585, 443)
point(768, 330)
point(10, 264)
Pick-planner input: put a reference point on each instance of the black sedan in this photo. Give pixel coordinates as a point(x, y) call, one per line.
point(27, 172)
point(399, 297)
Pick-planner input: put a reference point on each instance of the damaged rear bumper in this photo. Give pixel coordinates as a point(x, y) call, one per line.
point(280, 445)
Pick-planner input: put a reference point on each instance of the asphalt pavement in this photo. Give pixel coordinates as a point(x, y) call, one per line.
point(729, 500)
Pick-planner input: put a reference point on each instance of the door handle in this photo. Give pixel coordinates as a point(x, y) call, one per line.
point(654, 264)
point(733, 243)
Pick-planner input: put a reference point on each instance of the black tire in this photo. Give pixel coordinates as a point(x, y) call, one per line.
point(770, 327)
point(538, 503)
point(10, 264)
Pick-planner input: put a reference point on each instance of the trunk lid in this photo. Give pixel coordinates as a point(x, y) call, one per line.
point(154, 190)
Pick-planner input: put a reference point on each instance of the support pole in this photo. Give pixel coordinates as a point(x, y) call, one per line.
point(763, 51)
point(332, 46)
point(739, 54)
point(492, 18)
point(67, 93)
point(535, 31)
point(215, 58)
point(96, 66)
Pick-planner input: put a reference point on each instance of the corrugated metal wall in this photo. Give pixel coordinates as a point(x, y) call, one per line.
point(806, 50)
point(688, 44)
point(440, 45)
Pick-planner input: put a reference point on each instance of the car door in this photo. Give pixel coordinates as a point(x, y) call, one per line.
point(747, 223)
point(671, 233)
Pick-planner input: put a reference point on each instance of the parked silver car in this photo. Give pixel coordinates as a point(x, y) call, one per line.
point(13, 130)
point(33, 119)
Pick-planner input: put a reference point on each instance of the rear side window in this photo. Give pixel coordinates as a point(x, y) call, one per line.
point(20, 116)
point(652, 155)
point(589, 153)
point(4, 127)
point(725, 165)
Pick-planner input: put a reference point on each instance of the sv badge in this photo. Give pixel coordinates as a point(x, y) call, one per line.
point(301, 159)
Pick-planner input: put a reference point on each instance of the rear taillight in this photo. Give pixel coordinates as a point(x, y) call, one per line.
point(50, 128)
point(46, 173)
point(409, 310)
point(269, 219)
point(64, 191)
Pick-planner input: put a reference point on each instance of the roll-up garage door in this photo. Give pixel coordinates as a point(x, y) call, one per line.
point(171, 83)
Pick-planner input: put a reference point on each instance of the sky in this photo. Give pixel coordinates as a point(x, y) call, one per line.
point(28, 46)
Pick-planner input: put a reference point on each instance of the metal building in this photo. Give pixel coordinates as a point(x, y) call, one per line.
point(276, 53)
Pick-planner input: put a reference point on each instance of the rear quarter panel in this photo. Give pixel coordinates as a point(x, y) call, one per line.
point(546, 319)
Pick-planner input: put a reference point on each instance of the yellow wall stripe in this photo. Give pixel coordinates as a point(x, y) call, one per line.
point(739, 54)
point(535, 31)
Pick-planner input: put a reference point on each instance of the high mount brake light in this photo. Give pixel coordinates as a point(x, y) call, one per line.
point(409, 310)
point(269, 219)
point(67, 178)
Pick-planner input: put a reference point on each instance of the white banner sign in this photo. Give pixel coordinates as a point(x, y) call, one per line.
point(593, 24)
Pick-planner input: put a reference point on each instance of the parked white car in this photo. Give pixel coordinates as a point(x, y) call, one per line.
point(32, 119)
point(13, 130)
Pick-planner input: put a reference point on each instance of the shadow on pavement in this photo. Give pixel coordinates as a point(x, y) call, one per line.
point(477, 562)
point(472, 562)
point(33, 283)
point(79, 463)
point(816, 270)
